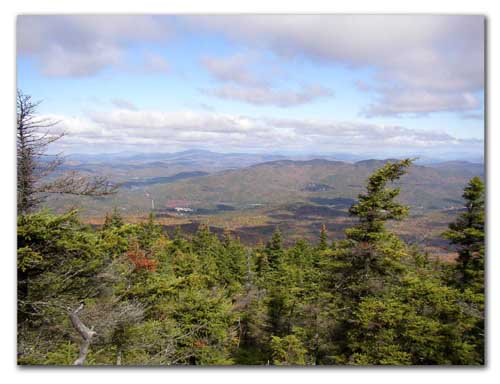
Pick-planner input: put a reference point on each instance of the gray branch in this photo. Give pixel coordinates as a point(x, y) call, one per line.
point(86, 334)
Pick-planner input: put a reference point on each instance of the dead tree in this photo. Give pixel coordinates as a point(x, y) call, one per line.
point(86, 334)
point(33, 138)
point(34, 164)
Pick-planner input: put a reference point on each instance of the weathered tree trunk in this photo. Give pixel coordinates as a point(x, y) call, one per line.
point(86, 334)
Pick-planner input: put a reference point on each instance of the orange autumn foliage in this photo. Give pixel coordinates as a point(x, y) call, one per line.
point(141, 259)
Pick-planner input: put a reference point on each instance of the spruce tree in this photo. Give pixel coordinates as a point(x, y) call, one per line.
point(372, 254)
point(323, 238)
point(113, 220)
point(149, 232)
point(467, 233)
point(368, 262)
point(274, 249)
point(378, 205)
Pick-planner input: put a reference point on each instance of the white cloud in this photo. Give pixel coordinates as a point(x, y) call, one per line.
point(420, 63)
point(234, 69)
point(355, 134)
point(270, 96)
point(399, 101)
point(249, 86)
point(411, 55)
point(154, 130)
point(83, 45)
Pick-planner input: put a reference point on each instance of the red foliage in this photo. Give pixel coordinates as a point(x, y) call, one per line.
point(141, 260)
point(199, 344)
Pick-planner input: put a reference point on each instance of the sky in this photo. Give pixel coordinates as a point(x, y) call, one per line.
point(374, 85)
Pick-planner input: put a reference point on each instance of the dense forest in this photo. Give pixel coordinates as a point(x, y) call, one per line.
point(127, 294)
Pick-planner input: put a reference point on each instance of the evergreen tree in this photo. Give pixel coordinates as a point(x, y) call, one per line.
point(287, 351)
point(208, 248)
point(467, 233)
point(179, 241)
point(146, 300)
point(378, 205)
point(150, 232)
point(274, 249)
point(372, 256)
point(113, 220)
point(59, 261)
point(368, 262)
point(262, 262)
point(232, 262)
point(323, 239)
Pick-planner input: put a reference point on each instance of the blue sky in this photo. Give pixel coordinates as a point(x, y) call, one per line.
point(388, 85)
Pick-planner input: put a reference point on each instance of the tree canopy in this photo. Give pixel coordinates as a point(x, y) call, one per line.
point(128, 294)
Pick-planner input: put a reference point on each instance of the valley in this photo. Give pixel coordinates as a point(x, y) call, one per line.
point(250, 195)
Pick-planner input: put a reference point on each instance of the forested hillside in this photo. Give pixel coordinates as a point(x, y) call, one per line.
point(129, 294)
point(299, 196)
point(186, 181)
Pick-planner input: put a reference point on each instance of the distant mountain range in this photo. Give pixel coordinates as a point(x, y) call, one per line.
point(162, 180)
point(191, 155)
point(245, 159)
point(206, 180)
point(286, 181)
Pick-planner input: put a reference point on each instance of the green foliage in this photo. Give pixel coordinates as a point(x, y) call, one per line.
point(371, 258)
point(113, 220)
point(287, 351)
point(378, 205)
point(274, 249)
point(419, 322)
point(467, 232)
point(369, 299)
point(273, 184)
point(59, 262)
point(58, 259)
point(323, 238)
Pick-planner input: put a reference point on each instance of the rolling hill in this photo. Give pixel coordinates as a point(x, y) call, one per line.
point(279, 183)
point(297, 195)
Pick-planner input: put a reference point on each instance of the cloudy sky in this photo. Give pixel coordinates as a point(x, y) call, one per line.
point(387, 85)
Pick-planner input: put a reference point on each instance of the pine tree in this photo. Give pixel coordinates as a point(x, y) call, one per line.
point(274, 249)
point(378, 205)
point(323, 238)
point(419, 321)
point(371, 253)
point(113, 220)
point(467, 233)
point(149, 233)
point(368, 262)
point(287, 351)
point(178, 239)
point(208, 248)
point(59, 261)
point(262, 262)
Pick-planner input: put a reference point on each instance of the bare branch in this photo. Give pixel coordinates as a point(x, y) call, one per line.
point(34, 165)
point(86, 334)
point(74, 183)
